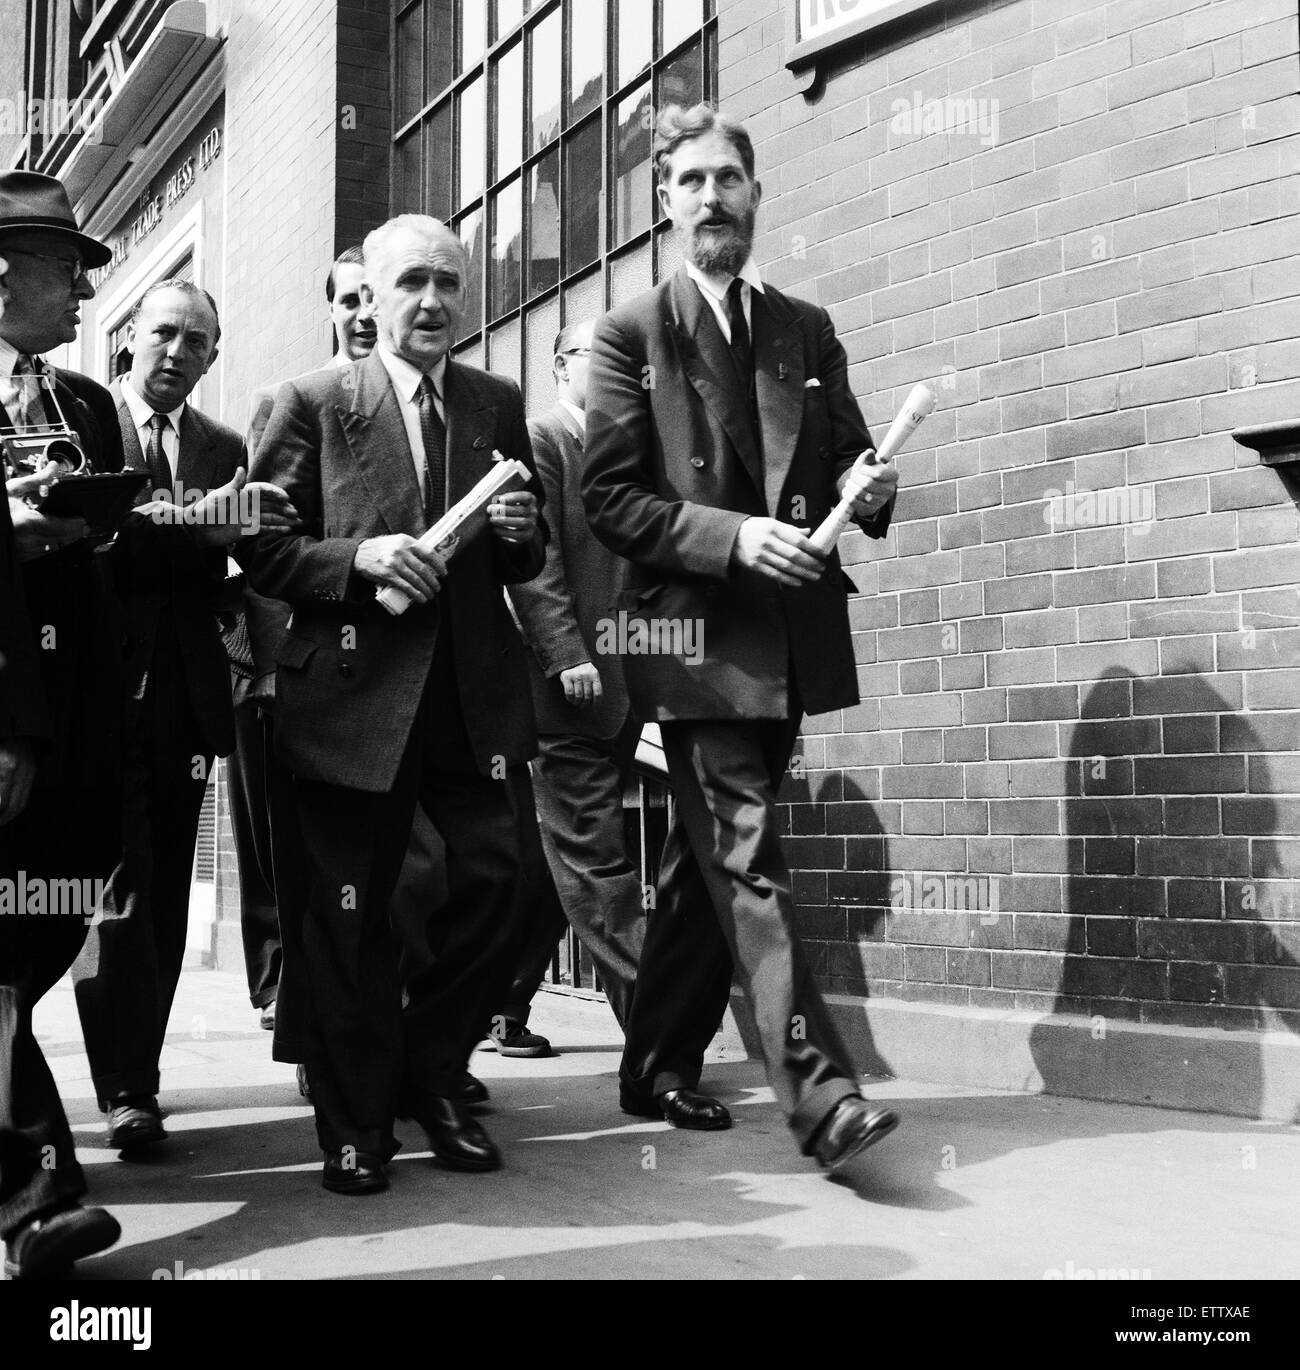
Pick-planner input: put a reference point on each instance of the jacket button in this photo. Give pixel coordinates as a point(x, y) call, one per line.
point(345, 668)
point(697, 462)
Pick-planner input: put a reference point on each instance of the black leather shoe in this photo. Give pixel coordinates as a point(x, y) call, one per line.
point(134, 1124)
point(353, 1172)
point(853, 1125)
point(471, 1090)
point(49, 1246)
point(686, 1108)
point(456, 1137)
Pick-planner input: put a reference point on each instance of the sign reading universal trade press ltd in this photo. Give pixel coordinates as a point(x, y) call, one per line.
point(814, 26)
point(172, 184)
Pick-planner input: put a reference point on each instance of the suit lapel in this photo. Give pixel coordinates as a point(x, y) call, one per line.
point(131, 449)
point(471, 430)
point(707, 363)
point(376, 437)
point(194, 464)
point(779, 378)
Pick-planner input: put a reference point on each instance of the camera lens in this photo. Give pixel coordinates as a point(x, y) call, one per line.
point(66, 453)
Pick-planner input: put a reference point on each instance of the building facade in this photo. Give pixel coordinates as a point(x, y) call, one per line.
point(1058, 843)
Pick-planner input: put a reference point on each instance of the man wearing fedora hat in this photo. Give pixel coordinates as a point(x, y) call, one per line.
point(69, 829)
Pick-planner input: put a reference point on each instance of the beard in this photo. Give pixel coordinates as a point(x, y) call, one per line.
point(721, 251)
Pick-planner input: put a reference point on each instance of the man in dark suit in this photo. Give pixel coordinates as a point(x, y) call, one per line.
point(586, 732)
point(60, 706)
point(376, 711)
point(720, 424)
point(170, 575)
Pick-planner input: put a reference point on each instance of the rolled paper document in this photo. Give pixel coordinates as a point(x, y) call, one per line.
point(461, 518)
point(920, 405)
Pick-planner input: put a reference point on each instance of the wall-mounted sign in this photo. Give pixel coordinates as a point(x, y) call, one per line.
point(176, 179)
point(813, 26)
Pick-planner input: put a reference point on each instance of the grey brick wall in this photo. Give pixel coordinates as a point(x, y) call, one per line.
point(1082, 711)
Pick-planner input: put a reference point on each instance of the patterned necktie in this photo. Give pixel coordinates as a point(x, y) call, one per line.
point(27, 383)
point(159, 470)
point(433, 435)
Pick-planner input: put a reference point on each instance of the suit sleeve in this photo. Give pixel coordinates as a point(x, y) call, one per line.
point(624, 508)
point(262, 403)
point(545, 604)
point(849, 432)
point(302, 565)
point(22, 700)
point(516, 561)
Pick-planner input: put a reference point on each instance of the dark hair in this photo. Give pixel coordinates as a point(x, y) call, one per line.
point(350, 256)
point(678, 125)
point(564, 338)
point(195, 292)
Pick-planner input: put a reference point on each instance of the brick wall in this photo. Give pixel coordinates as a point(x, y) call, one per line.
point(280, 149)
point(1072, 783)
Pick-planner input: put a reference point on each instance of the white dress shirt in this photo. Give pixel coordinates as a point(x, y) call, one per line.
point(579, 415)
point(406, 382)
point(714, 289)
point(142, 416)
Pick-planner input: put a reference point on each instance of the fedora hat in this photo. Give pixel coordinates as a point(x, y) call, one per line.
point(30, 200)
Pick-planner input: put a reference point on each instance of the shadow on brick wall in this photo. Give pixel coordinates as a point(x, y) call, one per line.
point(1176, 897)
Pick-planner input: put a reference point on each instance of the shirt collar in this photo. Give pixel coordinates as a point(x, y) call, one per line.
point(717, 285)
point(142, 411)
point(9, 355)
point(579, 416)
point(406, 378)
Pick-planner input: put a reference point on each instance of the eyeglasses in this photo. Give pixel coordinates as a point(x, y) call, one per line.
point(73, 267)
point(576, 352)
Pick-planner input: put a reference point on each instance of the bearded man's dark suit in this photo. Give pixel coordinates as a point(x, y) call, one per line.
point(178, 718)
point(583, 751)
point(62, 685)
point(674, 467)
point(375, 712)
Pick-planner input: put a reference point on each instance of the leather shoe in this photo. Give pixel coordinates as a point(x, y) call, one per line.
point(135, 1123)
point(456, 1137)
point(512, 1038)
point(686, 1108)
point(49, 1245)
point(353, 1172)
point(470, 1090)
point(853, 1125)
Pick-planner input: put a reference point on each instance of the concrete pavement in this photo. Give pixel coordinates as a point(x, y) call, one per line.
point(974, 1185)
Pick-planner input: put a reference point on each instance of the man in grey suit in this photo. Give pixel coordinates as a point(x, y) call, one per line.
point(376, 712)
point(586, 732)
point(170, 575)
point(720, 426)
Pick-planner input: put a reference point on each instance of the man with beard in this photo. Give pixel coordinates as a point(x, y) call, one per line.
point(720, 427)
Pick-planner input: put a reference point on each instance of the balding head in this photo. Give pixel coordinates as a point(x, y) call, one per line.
point(415, 277)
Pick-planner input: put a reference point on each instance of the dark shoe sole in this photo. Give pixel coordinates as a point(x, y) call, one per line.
point(456, 1161)
point(63, 1250)
point(352, 1188)
point(883, 1127)
point(652, 1110)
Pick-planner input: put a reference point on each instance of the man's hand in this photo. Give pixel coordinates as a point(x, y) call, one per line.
point(37, 534)
point(17, 771)
point(870, 486)
point(399, 560)
point(777, 550)
point(582, 685)
point(513, 516)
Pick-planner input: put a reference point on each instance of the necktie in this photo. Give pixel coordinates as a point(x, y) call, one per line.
point(27, 381)
point(741, 350)
point(433, 435)
point(160, 472)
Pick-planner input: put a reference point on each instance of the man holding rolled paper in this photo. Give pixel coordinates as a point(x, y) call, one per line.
point(377, 709)
point(721, 430)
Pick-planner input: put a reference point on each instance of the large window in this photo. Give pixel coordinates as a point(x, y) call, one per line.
point(528, 127)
